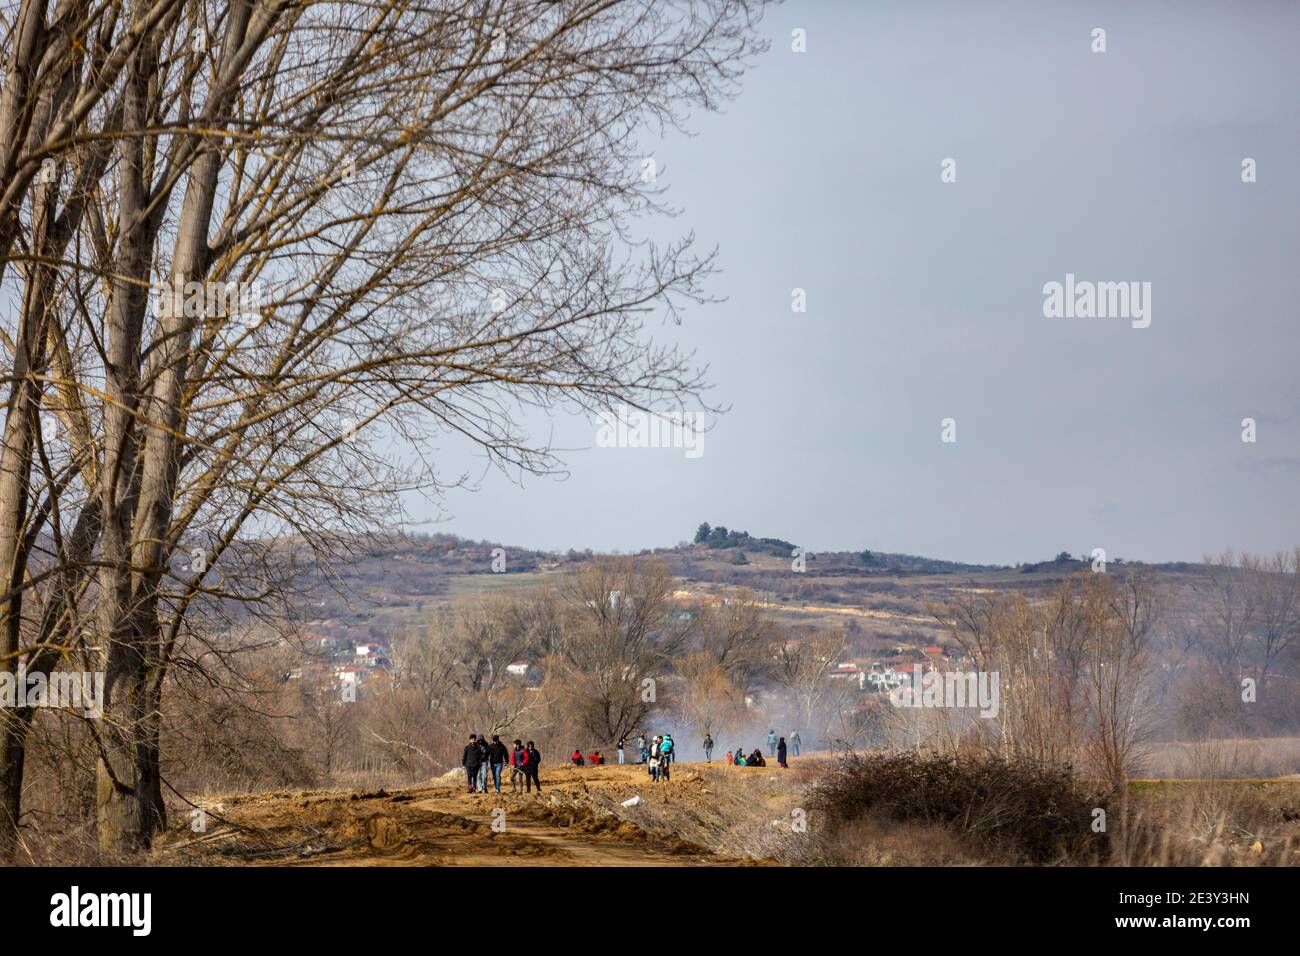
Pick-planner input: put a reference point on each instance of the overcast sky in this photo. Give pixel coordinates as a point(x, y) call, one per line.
point(925, 299)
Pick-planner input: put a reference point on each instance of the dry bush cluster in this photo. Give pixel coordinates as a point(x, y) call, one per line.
point(1012, 810)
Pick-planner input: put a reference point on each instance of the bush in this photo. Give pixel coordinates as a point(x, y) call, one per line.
point(1018, 810)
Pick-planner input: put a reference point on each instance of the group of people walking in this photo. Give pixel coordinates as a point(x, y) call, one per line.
point(482, 757)
point(485, 760)
point(660, 755)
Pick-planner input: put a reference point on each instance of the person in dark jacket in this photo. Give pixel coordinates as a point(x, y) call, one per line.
point(482, 763)
point(518, 762)
point(497, 755)
point(530, 769)
point(470, 761)
point(780, 754)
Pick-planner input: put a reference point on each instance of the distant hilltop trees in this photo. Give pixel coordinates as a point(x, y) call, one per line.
point(720, 537)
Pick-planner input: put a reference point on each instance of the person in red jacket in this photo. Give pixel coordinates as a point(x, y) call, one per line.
point(576, 757)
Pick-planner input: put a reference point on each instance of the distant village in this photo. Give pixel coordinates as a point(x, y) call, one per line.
point(353, 657)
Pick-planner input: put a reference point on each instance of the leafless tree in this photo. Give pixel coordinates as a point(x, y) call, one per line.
point(437, 204)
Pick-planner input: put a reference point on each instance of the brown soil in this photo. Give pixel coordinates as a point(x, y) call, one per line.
point(578, 820)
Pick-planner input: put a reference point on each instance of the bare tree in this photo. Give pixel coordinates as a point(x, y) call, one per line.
point(436, 205)
point(804, 665)
point(617, 652)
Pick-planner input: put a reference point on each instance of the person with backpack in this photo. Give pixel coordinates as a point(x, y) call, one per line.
point(470, 761)
point(518, 761)
point(531, 768)
point(708, 748)
point(497, 755)
point(771, 743)
point(780, 754)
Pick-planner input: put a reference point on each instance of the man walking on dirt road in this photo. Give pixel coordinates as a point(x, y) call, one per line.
point(470, 761)
point(518, 761)
point(531, 767)
point(497, 755)
point(482, 764)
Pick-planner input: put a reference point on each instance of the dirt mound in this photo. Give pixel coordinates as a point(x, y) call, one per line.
point(384, 834)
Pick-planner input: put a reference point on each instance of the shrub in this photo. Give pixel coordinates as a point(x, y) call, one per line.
point(1016, 809)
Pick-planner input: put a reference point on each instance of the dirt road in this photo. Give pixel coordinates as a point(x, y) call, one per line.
point(699, 818)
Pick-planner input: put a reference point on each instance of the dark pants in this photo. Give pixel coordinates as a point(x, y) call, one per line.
point(530, 778)
point(472, 774)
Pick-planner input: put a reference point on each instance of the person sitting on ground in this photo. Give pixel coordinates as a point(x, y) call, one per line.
point(756, 759)
point(576, 757)
point(595, 758)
